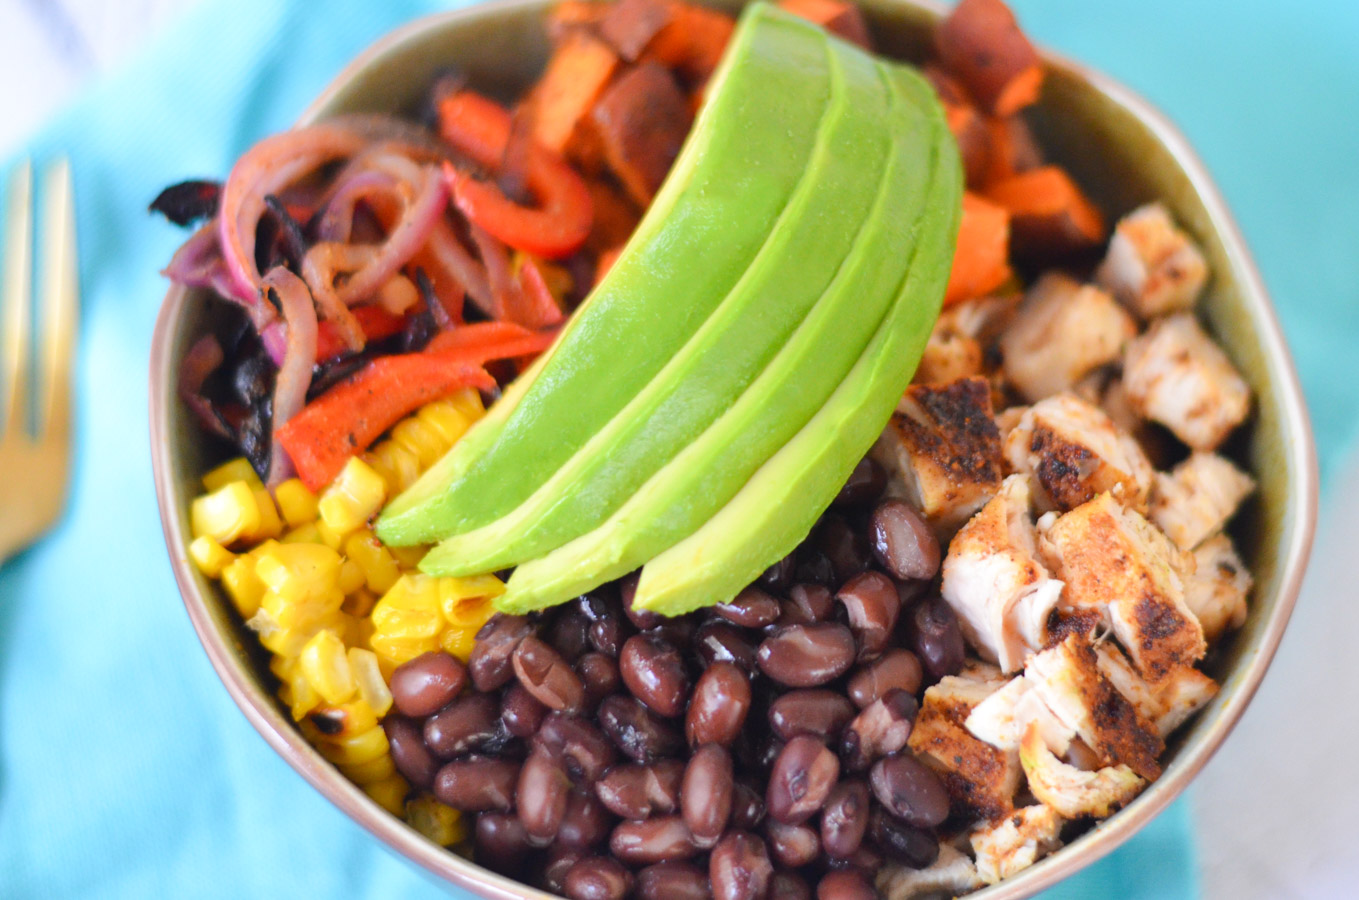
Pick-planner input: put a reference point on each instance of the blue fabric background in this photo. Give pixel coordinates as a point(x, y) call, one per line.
point(126, 771)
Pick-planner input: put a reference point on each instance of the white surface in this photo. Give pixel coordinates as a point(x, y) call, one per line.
point(1276, 807)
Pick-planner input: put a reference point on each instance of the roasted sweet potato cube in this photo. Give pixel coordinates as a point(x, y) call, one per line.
point(692, 41)
point(981, 43)
point(836, 16)
point(1049, 215)
point(576, 74)
point(629, 25)
point(642, 120)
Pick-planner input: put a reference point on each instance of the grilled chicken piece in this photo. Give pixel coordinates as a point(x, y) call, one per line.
point(1001, 719)
point(951, 875)
point(1063, 330)
point(1021, 839)
point(995, 583)
point(1194, 500)
point(981, 780)
point(1113, 560)
point(1070, 791)
point(1174, 374)
point(1165, 705)
point(1152, 267)
point(948, 356)
point(941, 451)
point(1216, 592)
point(1074, 451)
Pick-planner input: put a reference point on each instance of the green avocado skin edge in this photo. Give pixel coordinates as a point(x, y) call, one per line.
point(709, 220)
point(924, 196)
point(777, 508)
point(769, 306)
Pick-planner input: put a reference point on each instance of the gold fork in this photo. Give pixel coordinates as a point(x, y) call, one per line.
point(35, 450)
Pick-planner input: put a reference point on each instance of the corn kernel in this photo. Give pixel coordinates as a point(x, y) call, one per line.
point(270, 526)
point(346, 720)
point(458, 641)
point(303, 534)
point(210, 556)
point(424, 442)
point(453, 592)
point(299, 570)
point(389, 793)
point(326, 666)
point(226, 515)
point(329, 536)
point(469, 614)
point(379, 568)
point(443, 418)
point(398, 465)
point(353, 497)
point(368, 676)
point(303, 697)
point(238, 469)
point(468, 402)
point(397, 650)
point(243, 586)
point(352, 577)
point(352, 751)
point(297, 504)
point(440, 823)
point(359, 604)
point(372, 771)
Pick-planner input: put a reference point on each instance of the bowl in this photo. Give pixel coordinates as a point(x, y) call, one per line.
point(1120, 149)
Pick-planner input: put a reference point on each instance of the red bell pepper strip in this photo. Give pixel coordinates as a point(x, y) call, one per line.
point(375, 321)
point(494, 340)
point(531, 304)
point(560, 223)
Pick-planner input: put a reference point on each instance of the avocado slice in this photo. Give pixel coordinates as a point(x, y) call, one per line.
point(790, 274)
point(683, 495)
point(709, 220)
point(777, 508)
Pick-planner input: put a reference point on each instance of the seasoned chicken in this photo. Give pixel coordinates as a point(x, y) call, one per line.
point(1070, 791)
point(994, 582)
point(1194, 500)
point(981, 780)
point(1074, 451)
point(1174, 374)
point(1017, 842)
point(1002, 718)
point(1152, 267)
point(1165, 705)
point(1113, 560)
point(948, 356)
point(983, 319)
point(941, 450)
point(949, 875)
point(1063, 330)
point(1216, 592)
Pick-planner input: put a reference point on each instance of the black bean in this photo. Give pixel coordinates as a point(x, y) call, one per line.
point(846, 548)
point(654, 672)
point(802, 777)
point(672, 881)
point(807, 655)
point(477, 784)
point(807, 604)
point(548, 677)
point(597, 878)
point(634, 730)
point(872, 603)
point(500, 843)
point(752, 608)
point(903, 542)
point(779, 577)
point(882, 728)
point(747, 806)
point(786, 885)
point(587, 822)
point(599, 673)
point(570, 634)
point(425, 684)
point(845, 818)
point(909, 790)
point(716, 642)
point(792, 845)
point(818, 712)
point(902, 843)
point(866, 859)
point(845, 884)
point(895, 669)
point(719, 705)
point(642, 619)
point(406, 743)
point(584, 749)
point(640, 792)
point(936, 637)
point(706, 792)
point(814, 567)
point(541, 796)
point(677, 632)
point(739, 867)
point(865, 485)
point(560, 860)
point(658, 839)
point(489, 665)
point(608, 627)
point(468, 723)
point(521, 713)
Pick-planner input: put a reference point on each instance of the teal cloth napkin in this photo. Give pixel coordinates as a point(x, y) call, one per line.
point(125, 769)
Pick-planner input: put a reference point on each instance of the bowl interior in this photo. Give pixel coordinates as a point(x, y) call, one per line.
point(1118, 149)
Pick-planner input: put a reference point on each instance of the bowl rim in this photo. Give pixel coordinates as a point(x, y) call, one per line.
point(1300, 513)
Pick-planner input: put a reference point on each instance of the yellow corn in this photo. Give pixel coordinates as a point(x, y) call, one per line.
point(238, 469)
point(299, 570)
point(329, 536)
point(353, 497)
point(359, 603)
point(326, 666)
point(443, 417)
point(374, 770)
point(303, 534)
point(243, 586)
point(227, 514)
point(270, 526)
point(345, 720)
point(389, 793)
point(352, 577)
point(210, 556)
point(468, 402)
point(372, 686)
point(355, 750)
point(458, 641)
point(380, 569)
point(467, 600)
point(424, 442)
point(398, 466)
point(297, 504)
point(409, 557)
point(440, 823)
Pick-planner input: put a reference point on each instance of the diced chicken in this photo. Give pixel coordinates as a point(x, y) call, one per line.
point(1063, 330)
point(948, 356)
point(941, 451)
point(981, 780)
point(1074, 792)
point(1021, 839)
point(983, 319)
point(1194, 500)
point(1152, 267)
point(1216, 592)
point(1074, 451)
point(1002, 718)
point(1113, 560)
point(1174, 374)
point(994, 582)
point(950, 875)
point(1165, 705)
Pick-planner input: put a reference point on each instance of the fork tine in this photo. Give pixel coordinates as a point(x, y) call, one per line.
point(58, 301)
point(14, 302)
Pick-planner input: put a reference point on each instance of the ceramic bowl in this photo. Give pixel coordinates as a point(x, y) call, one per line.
point(1122, 150)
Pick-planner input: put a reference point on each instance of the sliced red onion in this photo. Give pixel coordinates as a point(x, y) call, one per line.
point(405, 239)
point(319, 267)
point(274, 337)
point(446, 251)
point(201, 361)
point(496, 258)
point(294, 375)
point(337, 216)
point(198, 263)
